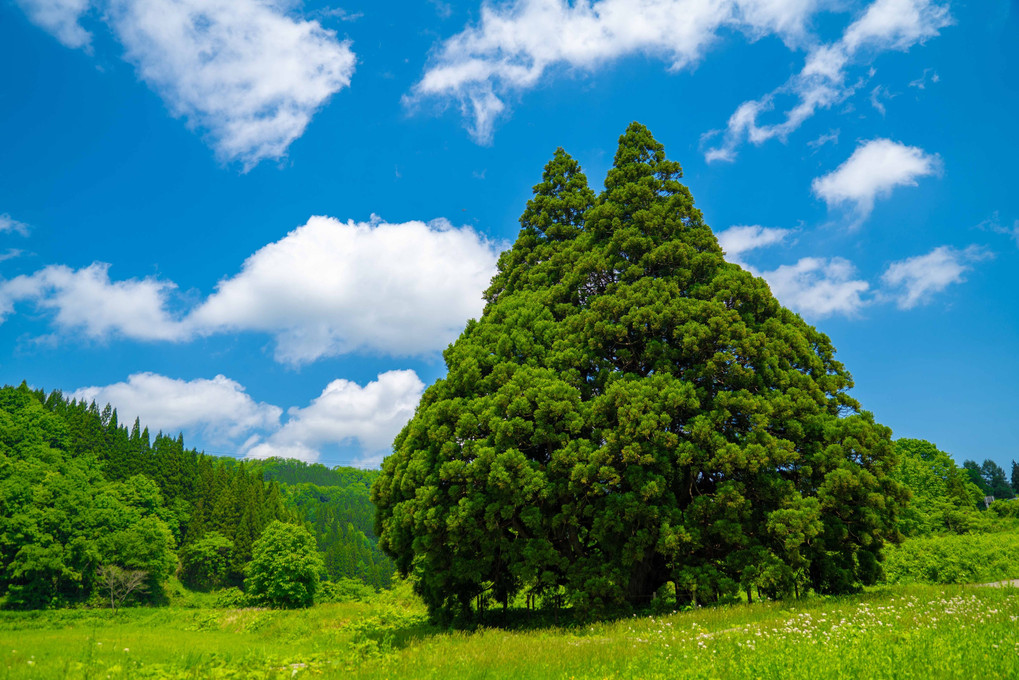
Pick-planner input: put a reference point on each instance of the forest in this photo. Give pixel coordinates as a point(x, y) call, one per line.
point(80, 491)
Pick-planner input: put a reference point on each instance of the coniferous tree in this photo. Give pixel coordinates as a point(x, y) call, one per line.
point(631, 410)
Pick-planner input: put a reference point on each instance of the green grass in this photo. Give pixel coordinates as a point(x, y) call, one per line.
point(895, 632)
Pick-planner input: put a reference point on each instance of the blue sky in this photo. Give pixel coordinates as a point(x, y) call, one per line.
point(259, 222)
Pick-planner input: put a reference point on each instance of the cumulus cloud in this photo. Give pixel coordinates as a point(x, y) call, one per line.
point(915, 280)
point(60, 18)
point(244, 72)
point(327, 288)
point(823, 82)
point(815, 287)
point(515, 44)
point(818, 287)
point(86, 301)
point(332, 287)
point(736, 241)
point(347, 414)
point(875, 168)
point(220, 408)
point(9, 224)
point(362, 419)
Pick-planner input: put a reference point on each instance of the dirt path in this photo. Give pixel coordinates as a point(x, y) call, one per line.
point(1014, 583)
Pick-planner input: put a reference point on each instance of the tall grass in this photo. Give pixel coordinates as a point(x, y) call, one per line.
point(894, 632)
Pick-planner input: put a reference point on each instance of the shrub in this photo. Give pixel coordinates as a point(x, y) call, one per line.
point(954, 559)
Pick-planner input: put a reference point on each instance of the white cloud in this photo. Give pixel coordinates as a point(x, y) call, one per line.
point(219, 408)
point(60, 18)
point(736, 241)
point(9, 224)
point(885, 25)
point(87, 302)
point(327, 288)
point(896, 25)
point(993, 224)
point(363, 420)
point(331, 287)
point(928, 75)
point(875, 168)
point(915, 280)
point(875, 98)
point(831, 137)
point(815, 287)
point(242, 71)
point(345, 413)
point(515, 44)
point(818, 287)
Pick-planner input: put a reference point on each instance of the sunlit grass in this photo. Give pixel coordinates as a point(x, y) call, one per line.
point(894, 632)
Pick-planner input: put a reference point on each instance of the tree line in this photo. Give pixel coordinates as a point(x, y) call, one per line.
point(85, 500)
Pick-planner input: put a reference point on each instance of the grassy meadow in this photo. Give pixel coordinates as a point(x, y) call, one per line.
point(891, 632)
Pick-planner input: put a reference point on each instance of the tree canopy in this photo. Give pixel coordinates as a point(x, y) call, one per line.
point(632, 410)
point(285, 567)
point(81, 494)
point(942, 496)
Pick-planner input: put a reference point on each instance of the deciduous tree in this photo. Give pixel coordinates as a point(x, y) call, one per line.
point(285, 567)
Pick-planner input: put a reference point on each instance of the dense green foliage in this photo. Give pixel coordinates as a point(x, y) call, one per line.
point(990, 478)
point(60, 519)
point(285, 567)
point(79, 491)
point(632, 410)
point(951, 539)
point(942, 497)
point(335, 504)
point(204, 562)
point(973, 558)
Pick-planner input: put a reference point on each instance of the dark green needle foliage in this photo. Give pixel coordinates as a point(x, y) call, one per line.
point(632, 410)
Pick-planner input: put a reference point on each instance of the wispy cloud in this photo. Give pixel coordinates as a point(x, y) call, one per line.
point(823, 82)
point(876, 95)
point(929, 76)
point(87, 302)
point(993, 224)
point(832, 137)
point(736, 241)
point(61, 19)
point(9, 224)
point(875, 168)
point(515, 44)
point(915, 280)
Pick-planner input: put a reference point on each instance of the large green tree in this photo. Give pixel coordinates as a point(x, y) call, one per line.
point(285, 567)
point(632, 410)
point(942, 496)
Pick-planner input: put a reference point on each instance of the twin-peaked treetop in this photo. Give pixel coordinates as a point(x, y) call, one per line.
point(632, 410)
